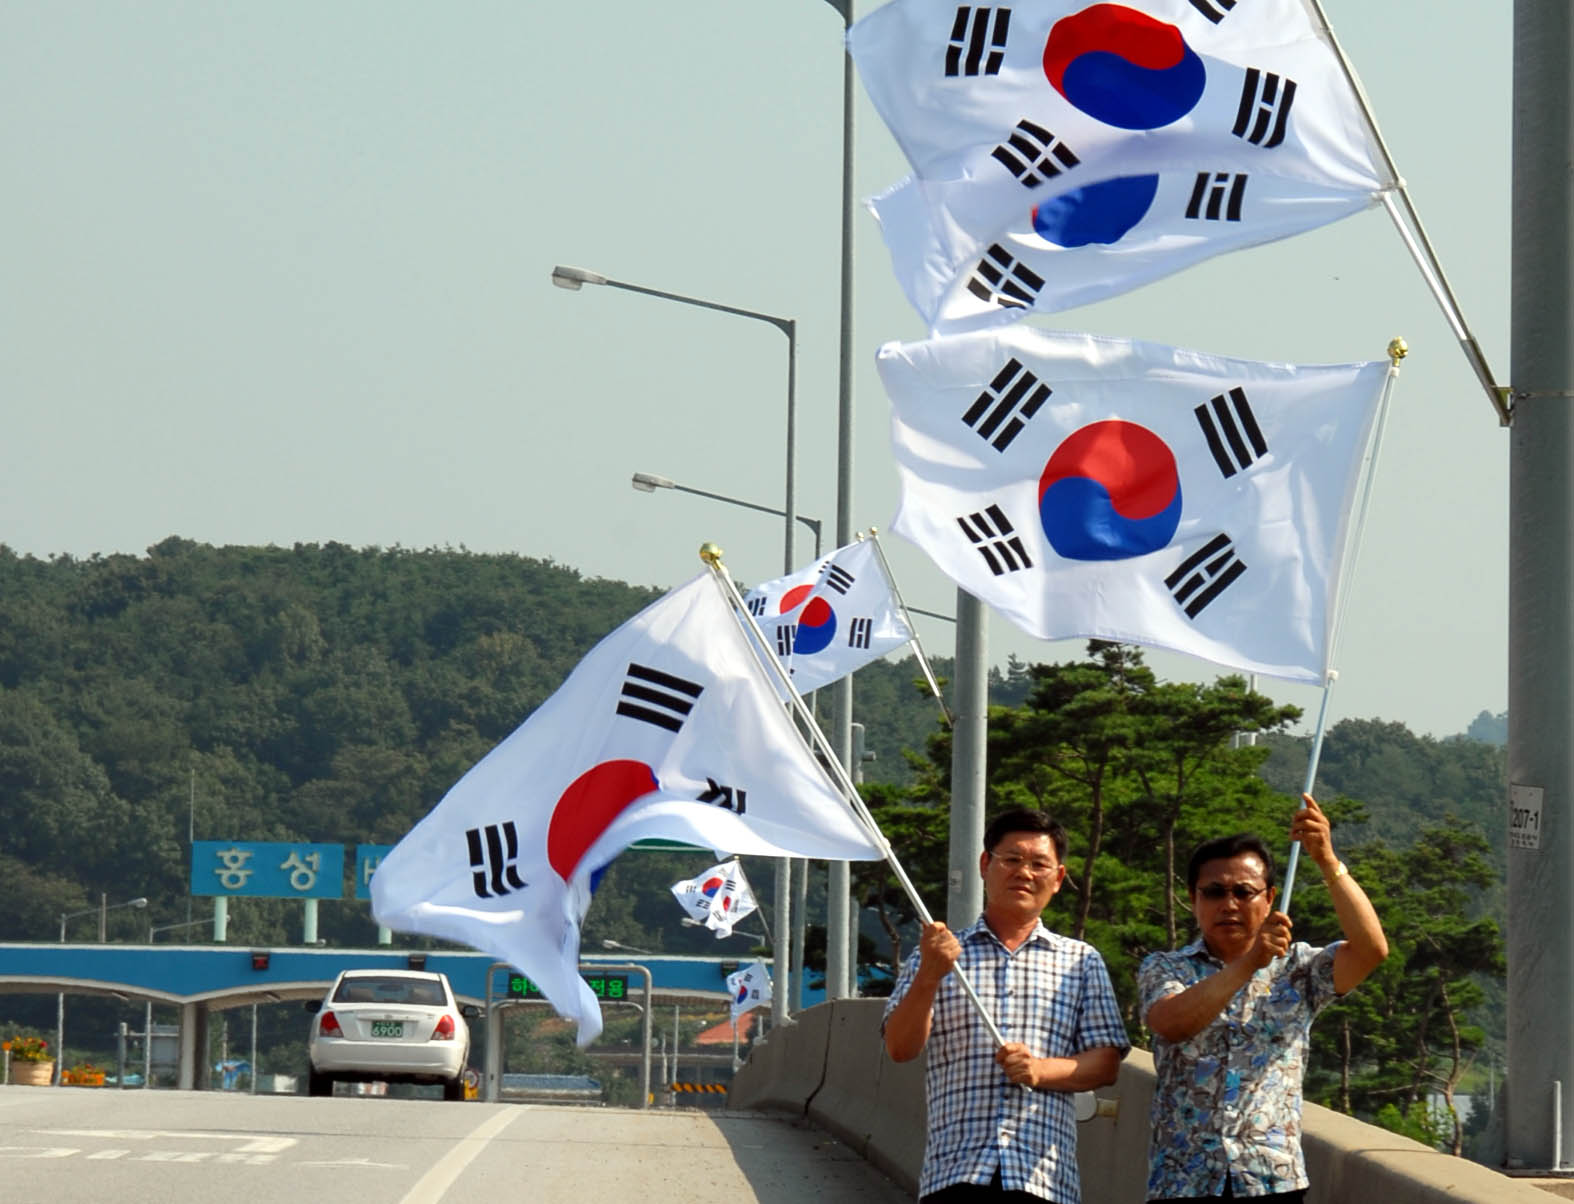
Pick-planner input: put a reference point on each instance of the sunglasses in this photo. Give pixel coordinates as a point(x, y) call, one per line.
point(1215, 891)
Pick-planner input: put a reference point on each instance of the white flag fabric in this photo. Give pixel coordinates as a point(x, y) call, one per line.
point(831, 618)
point(1099, 487)
point(750, 988)
point(667, 729)
point(1121, 126)
point(1096, 242)
point(718, 898)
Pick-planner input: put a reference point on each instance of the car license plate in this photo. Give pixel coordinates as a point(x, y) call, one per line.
point(387, 1028)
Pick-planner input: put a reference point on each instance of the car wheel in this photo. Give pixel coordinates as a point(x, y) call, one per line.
point(319, 1084)
point(454, 1089)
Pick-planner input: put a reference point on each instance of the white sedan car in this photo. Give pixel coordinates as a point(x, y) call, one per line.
point(391, 1026)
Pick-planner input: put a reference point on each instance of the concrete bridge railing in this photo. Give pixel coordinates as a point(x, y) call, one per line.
point(830, 1067)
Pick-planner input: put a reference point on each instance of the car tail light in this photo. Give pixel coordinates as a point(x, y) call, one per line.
point(444, 1030)
point(328, 1026)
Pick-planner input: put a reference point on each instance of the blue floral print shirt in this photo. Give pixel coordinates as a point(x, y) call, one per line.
point(1227, 1104)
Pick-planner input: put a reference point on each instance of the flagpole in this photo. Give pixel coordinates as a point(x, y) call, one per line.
point(1416, 241)
point(1397, 350)
point(918, 648)
point(711, 555)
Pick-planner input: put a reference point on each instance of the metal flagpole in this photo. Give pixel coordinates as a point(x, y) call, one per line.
point(918, 648)
point(1418, 244)
point(711, 555)
point(1397, 350)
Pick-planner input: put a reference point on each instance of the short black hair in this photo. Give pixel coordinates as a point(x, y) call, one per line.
point(1224, 847)
point(1026, 819)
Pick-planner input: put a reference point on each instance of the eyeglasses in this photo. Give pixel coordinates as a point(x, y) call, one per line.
point(1012, 863)
point(1215, 891)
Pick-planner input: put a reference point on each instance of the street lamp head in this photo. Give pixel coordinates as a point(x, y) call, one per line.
point(137, 902)
point(572, 278)
point(649, 482)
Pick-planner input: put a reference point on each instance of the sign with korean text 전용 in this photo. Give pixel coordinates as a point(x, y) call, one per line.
point(602, 986)
point(267, 869)
point(1524, 817)
point(367, 858)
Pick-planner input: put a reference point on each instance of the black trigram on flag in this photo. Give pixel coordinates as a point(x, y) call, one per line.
point(979, 33)
point(1001, 280)
point(1214, 10)
point(1265, 107)
point(494, 850)
point(858, 633)
point(838, 578)
point(786, 635)
point(652, 696)
point(999, 413)
point(725, 797)
point(1204, 575)
point(991, 533)
point(756, 605)
point(1216, 196)
point(1232, 432)
point(1032, 154)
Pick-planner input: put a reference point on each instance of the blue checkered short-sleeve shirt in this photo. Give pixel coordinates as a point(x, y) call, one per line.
point(1053, 995)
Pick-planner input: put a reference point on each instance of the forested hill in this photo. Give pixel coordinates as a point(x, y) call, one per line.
point(328, 693)
point(321, 693)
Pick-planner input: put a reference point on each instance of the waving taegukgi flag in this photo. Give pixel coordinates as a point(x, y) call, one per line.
point(750, 988)
point(666, 729)
point(718, 898)
point(1099, 241)
point(1105, 488)
point(835, 616)
point(1067, 150)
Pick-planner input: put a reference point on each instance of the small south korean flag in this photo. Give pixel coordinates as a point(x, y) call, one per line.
point(750, 988)
point(718, 898)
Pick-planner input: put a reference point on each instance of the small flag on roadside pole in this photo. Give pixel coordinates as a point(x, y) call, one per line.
point(749, 988)
point(718, 898)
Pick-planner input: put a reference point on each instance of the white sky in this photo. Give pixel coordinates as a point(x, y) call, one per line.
point(279, 272)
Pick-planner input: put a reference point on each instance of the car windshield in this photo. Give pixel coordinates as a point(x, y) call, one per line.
point(427, 991)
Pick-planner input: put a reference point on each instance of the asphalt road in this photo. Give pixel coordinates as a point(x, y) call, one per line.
point(60, 1144)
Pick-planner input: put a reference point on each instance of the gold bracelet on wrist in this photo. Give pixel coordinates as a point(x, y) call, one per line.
point(1339, 873)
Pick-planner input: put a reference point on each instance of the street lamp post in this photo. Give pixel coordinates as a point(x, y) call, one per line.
point(649, 482)
point(574, 279)
point(103, 909)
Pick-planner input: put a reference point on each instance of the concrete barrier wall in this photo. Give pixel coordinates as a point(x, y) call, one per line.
point(830, 1067)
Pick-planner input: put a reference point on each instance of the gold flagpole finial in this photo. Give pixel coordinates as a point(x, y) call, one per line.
point(1397, 350)
point(710, 553)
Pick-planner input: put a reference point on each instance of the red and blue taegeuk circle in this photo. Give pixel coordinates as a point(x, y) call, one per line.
point(1123, 67)
point(743, 994)
point(817, 623)
point(1110, 491)
point(587, 808)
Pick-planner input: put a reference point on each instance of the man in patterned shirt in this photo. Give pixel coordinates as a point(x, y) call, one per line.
point(1232, 1014)
point(1001, 1120)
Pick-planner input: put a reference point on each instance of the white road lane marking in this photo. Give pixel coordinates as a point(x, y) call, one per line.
point(432, 1185)
point(252, 1142)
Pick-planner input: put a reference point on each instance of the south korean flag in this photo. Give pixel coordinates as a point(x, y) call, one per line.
point(831, 618)
point(717, 898)
point(750, 988)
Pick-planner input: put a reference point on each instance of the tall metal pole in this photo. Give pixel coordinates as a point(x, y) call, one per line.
point(840, 958)
point(964, 888)
point(1541, 622)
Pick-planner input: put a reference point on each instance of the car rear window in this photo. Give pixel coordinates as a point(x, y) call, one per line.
point(426, 991)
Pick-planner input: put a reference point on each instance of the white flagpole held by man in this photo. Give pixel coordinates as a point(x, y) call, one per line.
point(711, 554)
point(1397, 350)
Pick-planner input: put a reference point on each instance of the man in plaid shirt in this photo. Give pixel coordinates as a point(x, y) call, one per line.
point(1001, 1120)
